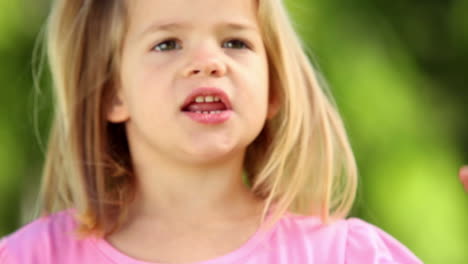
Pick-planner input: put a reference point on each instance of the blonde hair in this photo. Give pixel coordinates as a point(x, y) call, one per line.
point(301, 162)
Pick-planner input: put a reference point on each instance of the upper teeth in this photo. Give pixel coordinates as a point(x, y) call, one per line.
point(207, 99)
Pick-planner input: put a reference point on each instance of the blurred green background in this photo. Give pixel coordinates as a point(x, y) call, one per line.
point(398, 71)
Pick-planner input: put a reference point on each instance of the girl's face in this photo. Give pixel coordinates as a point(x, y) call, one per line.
point(178, 50)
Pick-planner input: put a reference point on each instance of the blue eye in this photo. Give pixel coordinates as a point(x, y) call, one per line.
point(167, 45)
point(173, 44)
point(235, 44)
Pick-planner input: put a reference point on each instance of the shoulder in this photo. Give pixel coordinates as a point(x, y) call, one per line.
point(366, 241)
point(39, 239)
point(345, 241)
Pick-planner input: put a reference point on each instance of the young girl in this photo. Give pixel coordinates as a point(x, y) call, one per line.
point(192, 131)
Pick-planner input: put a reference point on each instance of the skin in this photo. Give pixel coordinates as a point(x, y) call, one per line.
point(463, 175)
point(191, 202)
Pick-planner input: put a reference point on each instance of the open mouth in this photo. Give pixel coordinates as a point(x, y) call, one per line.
point(208, 106)
point(207, 101)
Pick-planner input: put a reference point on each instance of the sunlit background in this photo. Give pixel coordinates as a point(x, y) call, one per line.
point(398, 71)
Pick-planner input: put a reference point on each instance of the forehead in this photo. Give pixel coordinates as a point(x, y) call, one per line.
point(144, 13)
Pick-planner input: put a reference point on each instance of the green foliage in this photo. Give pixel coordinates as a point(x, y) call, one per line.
point(400, 120)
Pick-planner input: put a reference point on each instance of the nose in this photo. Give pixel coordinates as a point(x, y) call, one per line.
point(205, 65)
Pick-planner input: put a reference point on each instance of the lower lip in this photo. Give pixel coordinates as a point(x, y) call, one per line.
point(217, 118)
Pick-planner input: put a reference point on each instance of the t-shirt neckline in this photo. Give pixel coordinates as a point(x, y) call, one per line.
point(232, 257)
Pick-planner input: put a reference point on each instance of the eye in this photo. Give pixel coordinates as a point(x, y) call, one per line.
point(235, 44)
point(167, 45)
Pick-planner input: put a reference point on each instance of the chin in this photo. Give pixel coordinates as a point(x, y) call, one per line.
point(212, 154)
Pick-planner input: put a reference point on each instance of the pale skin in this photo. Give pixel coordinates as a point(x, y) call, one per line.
point(191, 203)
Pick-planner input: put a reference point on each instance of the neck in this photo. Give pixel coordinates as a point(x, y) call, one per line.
point(200, 193)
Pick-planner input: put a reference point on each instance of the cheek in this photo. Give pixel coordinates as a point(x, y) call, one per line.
point(153, 79)
point(148, 95)
point(255, 101)
point(260, 85)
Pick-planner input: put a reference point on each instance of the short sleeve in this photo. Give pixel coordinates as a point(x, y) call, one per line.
point(367, 244)
point(4, 258)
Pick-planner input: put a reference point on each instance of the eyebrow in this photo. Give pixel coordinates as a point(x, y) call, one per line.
point(177, 26)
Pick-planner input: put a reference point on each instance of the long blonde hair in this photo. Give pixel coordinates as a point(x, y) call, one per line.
point(301, 162)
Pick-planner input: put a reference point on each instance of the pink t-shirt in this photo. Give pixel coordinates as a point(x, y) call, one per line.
point(294, 239)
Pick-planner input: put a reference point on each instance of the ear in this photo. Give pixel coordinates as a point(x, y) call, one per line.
point(274, 102)
point(117, 110)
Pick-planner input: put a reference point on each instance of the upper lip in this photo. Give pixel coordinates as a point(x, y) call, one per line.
point(206, 91)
